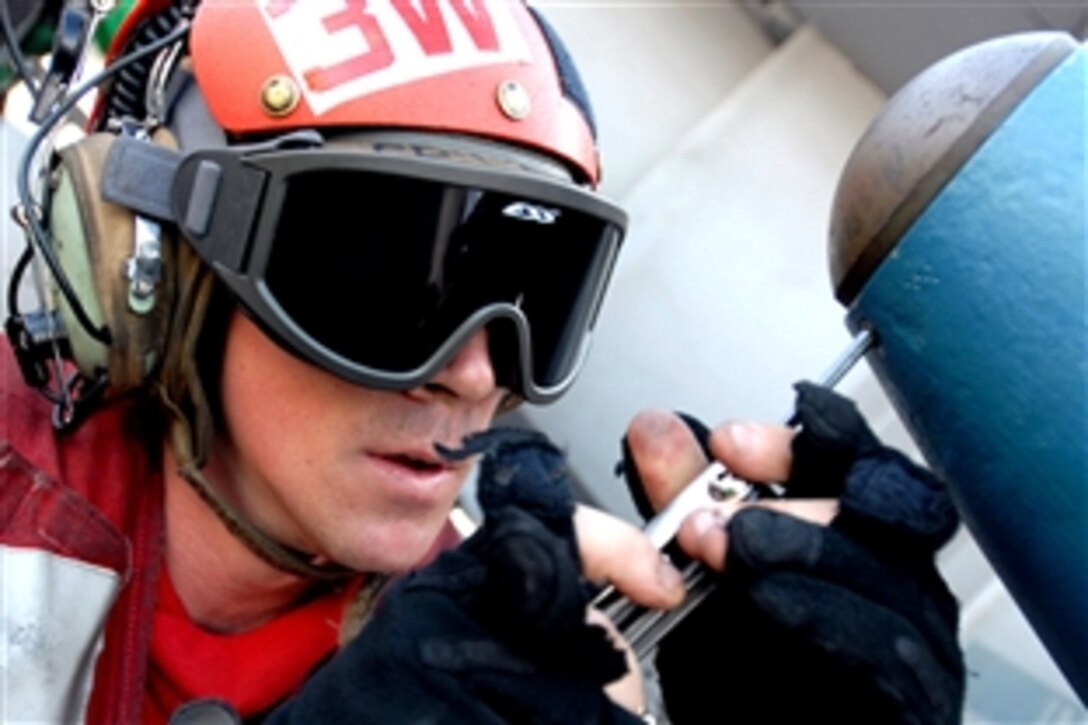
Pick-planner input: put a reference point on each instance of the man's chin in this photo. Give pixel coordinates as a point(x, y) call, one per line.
point(395, 551)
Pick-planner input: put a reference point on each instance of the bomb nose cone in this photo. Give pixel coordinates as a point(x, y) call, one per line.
point(923, 136)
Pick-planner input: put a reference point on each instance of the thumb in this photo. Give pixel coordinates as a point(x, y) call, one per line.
point(615, 551)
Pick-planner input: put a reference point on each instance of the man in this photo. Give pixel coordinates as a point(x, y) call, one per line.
point(350, 235)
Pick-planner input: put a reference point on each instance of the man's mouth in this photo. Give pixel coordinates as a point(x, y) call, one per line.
point(416, 464)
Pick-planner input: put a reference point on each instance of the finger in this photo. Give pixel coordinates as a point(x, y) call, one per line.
point(614, 551)
point(628, 690)
point(704, 534)
point(754, 451)
point(666, 454)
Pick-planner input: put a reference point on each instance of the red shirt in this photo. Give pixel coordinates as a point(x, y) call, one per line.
point(252, 670)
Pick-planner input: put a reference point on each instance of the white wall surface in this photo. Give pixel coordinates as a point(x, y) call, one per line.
point(654, 69)
point(12, 142)
point(721, 297)
point(726, 152)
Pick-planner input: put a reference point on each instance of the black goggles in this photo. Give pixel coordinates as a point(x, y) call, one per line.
point(379, 267)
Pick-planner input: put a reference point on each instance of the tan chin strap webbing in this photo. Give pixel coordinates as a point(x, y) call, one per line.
point(282, 557)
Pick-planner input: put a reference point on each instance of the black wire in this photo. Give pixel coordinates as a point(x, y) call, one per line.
point(37, 232)
point(22, 66)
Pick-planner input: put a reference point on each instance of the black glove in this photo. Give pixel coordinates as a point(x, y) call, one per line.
point(493, 631)
point(849, 623)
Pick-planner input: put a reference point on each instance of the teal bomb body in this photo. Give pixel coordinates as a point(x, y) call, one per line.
point(979, 306)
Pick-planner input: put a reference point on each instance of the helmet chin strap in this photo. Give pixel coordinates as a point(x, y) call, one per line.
point(284, 558)
point(271, 551)
point(182, 394)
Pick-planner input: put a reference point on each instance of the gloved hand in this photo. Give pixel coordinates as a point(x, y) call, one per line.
point(494, 630)
point(846, 623)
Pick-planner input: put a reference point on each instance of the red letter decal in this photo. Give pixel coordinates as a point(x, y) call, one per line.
point(429, 27)
point(426, 24)
point(276, 8)
point(477, 22)
point(376, 57)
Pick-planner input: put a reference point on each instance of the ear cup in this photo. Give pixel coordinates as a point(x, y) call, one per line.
point(95, 241)
point(154, 341)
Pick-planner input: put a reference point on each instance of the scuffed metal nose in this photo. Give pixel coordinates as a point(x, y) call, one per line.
point(921, 139)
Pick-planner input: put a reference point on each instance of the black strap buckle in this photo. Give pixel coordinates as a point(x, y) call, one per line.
point(37, 340)
point(34, 338)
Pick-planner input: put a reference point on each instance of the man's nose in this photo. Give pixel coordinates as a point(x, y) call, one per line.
point(469, 374)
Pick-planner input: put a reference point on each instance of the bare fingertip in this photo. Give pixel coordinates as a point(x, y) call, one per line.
point(738, 437)
point(648, 423)
point(657, 432)
point(754, 451)
point(670, 579)
point(704, 536)
point(704, 521)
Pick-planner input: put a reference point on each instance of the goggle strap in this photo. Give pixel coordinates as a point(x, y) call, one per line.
point(188, 117)
point(139, 175)
point(219, 232)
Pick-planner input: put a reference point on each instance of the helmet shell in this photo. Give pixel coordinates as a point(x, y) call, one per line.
point(268, 67)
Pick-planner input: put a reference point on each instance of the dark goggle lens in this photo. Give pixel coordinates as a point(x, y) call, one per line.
point(383, 270)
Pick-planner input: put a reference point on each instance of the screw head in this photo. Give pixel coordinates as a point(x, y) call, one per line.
point(280, 95)
point(514, 100)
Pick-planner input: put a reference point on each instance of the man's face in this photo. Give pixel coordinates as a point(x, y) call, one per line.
point(347, 472)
